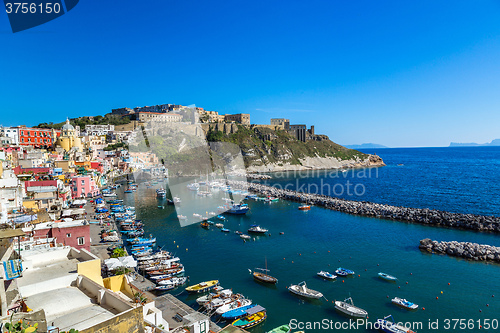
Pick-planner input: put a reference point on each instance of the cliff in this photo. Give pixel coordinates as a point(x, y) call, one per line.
point(266, 150)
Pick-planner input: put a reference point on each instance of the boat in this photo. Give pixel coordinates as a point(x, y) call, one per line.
point(161, 193)
point(182, 217)
point(302, 290)
point(252, 319)
point(164, 288)
point(404, 303)
point(193, 187)
point(281, 329)
point(343, 272)
point(205, 225)
point(225, 230)
point(220, 217)
point(305, 207)
point(390, 326)
point(237, 313)
point(387, 277)
point(219, 225)
point(347, 307)
point(238, 209)
point(217, 292)
point(177, 200)
point(244, 236)
point(175, 281)
point(327, 275)
point(237, 304)
point(202, 286)
point(257, 229)
point(262, 276)
point(128, 191)
point(238, 232)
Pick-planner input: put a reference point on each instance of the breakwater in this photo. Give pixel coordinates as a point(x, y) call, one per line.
point(466, 250)
point(415, 215)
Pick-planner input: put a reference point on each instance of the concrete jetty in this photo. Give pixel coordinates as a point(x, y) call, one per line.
point(414, 215)
point(466, 250)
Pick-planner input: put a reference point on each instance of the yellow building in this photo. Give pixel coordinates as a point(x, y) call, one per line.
point(69, 139)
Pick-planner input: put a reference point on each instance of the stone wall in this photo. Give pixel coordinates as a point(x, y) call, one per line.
point(466, 250)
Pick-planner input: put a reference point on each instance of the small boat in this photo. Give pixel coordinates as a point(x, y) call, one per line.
point(217, 292)
point(327, 275)
point(164, 287)
point(343, 272)
point(219, 225)
point(205, 225)
point(244, 236)
point(252, 319)
point(177, 200)
point(257, 229)
point(404, 303)
point(238, 209)
point(225, 230)
point(202, 286)
point(220, 217)
point(305, 207)
point(389, 325)
point(347, 307)
point(387, 277)
point(161, 193)
point(175, 281)
point(237, 313)
point(238, 232)
point(302, 290)
point(182, 217)
point(280, 329)
point(235, 305)
point(262, 276)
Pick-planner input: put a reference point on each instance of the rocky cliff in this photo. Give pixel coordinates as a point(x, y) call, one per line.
point(266, 150)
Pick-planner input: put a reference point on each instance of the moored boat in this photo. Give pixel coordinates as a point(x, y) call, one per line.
point(305, 207)
point(389, 325)
point(302, 290)
point(404, 303)
point(280, 329)
point(327, 275)
point(238, 209)
point(238, 304)
point(257, 229)
point(347, 307)
point(253, 318)
point(343, 272)
point(263, 276)
point(387, 277)
point(202, 286)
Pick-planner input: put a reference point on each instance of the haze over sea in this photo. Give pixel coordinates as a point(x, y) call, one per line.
point(454, 179)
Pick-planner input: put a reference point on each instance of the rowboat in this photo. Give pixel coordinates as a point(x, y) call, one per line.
point(404, 303)
point(305, 207)
point(390, 326)
point(302, 290)
point(343, 272)
point(387, 277)
point(202, 286)
point(327, 275)
point(250, 320)
point(347, 307)
point(280, 329)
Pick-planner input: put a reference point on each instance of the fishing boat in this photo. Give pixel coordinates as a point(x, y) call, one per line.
point(218, 291)
point(387, 277)
point(280, 329)
point(238, 304)
point(257, 229)
point(305, 207)
point(302, 290)
point(237, 313)
point(262, 275)
point(343, 272)
point(347, 307)
point(202, 287)
point(404, 303)
point(389, 325)
point(327, 275)
point(272, 199)
point(238, 209)
point(252, 319)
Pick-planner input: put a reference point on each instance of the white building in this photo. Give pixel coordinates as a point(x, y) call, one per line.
point(98, 130)
point(11, 193)
point(10, 132)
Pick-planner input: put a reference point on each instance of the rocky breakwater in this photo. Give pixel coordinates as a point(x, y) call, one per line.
point(470, 251)
point(415, 215)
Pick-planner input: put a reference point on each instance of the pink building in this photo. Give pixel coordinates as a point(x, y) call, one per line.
point(84, 187)
point(72, 233)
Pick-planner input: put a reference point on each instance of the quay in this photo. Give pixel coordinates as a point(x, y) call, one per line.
point(370, 209)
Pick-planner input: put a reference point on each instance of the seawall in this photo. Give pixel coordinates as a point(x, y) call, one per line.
point(466, 250)
point(414, 215)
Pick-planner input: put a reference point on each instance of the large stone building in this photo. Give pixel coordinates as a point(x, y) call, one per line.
point(281, 122)
point(158, 117)
point(241, 118)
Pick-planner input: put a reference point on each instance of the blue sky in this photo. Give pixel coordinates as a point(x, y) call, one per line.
point(398, 73)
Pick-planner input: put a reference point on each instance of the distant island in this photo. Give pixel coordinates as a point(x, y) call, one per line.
point(495, 142)
point(365, 146)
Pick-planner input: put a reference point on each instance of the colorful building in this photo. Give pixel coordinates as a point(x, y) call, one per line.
point(84, 187)
point(37, 137)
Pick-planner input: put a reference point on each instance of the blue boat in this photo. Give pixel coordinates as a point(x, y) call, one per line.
point(220, 217)
point(389, 325)
point(237, 313)
point(387, 277)
point(238, 209)
point(343, 272)
point(225, 230)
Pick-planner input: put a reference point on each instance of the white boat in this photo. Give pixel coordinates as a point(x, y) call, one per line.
point(243, 236)
point(302, 290)
point(175, 281)
point(177, 200)
point(404, 303)
point(327, 275)
point(347, 307)
point(193, 186)
point(257, 229)
point(233, 306)
point(182, 217)
point(219, 225)
point(205, 298)
point(389, 325)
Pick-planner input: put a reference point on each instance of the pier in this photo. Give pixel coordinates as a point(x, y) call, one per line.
point(370, 209)
point(466, 250)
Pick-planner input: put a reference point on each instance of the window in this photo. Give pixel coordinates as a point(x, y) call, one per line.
point(68, 235)
point(81, 240)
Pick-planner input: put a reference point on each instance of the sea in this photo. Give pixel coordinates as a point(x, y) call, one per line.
point(453, 294)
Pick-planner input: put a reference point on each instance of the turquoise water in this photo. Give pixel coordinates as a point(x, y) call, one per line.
point(321, 239)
